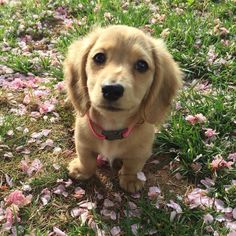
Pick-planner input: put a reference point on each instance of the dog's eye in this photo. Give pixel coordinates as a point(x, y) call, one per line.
point(99, 58)
point(141, 66)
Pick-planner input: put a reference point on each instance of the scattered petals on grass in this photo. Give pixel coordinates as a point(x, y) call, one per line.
point(198, 198)
point(34, 167)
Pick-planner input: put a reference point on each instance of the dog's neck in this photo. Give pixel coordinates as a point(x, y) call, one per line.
point(113, 120)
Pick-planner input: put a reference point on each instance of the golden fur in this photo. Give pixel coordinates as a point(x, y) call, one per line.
point(145, 102)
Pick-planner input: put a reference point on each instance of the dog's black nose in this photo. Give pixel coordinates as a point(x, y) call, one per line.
point(112, 92)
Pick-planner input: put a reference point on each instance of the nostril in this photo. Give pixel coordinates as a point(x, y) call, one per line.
point(112, 92)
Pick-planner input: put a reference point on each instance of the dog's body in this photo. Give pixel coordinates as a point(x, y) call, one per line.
point(118, 78)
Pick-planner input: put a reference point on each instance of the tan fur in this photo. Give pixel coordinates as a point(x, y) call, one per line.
point(147, 98)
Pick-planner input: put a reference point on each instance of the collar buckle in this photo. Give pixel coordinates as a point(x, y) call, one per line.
point(114, 134)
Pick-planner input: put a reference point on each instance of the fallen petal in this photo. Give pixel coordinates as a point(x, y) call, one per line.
point(58, 232)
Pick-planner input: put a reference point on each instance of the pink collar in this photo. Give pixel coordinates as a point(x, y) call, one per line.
point(109, 134)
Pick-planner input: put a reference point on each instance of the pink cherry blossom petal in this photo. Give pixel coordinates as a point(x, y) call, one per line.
point(56, 166)
point(108, 203)
point(79, 193)
point(57, 150)
point(27, 99)
point(210, 133)
point(141, 176)
point(234, 213)
point(45, 132)
point(46, 196)
point(77, 211)
point(219, 204)
point(175, 206)
point(61, 190)
point(9, 180)
point(232, 157)
point(58, 232)
point(115, 231)
point(35, 166)
point(207, 182)
point(200, 118)
point(60, 86)
point(153, 192)
point(208, 218)
point(84, 217)
point(231, 225)
point(18, 198)
point(219, 162)
point(134, 229)
point(191, 119)
point(232, 233)
point(11, 216)
point(109, 214)
point(172, 215)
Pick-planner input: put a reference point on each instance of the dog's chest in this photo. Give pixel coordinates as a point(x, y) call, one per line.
point(110, 150)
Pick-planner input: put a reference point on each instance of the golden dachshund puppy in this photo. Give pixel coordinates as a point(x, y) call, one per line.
point(121, 83)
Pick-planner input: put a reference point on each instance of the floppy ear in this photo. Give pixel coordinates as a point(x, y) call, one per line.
point(166, 82)
point(75, 74)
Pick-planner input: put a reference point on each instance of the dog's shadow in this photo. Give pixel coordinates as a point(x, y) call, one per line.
point(106, 181)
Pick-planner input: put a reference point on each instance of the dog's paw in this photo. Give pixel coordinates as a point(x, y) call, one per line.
point(76, 171)
point(131, 183)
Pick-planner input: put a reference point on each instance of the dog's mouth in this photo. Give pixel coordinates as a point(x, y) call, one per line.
point(110, 108)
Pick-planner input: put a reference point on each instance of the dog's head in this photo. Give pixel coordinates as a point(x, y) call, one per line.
point(120, 70)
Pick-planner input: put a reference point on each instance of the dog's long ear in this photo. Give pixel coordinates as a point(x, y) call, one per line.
point(75, 74)
point(166, 82)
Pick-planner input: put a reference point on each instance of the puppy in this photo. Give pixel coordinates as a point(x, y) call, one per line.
point(121, 82)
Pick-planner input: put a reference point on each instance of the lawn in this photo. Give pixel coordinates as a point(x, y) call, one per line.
point(191, 177)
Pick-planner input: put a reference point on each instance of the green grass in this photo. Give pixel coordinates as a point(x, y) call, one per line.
point(193, 36)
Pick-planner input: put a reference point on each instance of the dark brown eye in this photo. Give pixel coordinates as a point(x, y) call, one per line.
point(99, 58)
point(141, 66)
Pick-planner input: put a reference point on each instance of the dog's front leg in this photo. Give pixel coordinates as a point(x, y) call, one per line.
point(84, 166)
point(128, 174)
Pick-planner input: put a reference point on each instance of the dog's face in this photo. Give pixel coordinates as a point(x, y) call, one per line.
point(120, 69)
